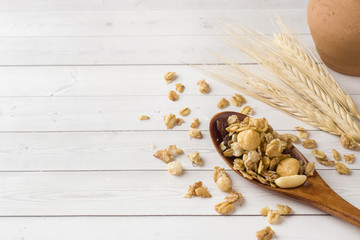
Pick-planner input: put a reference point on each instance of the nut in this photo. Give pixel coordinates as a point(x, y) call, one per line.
point(349, 158)
point(288, 167)
point(184, 112)
point(173, 96)
point(222, 180)
point(336, 155)
point(195, 133)
point(249, 139)
point(143, 117)
point(203, 86)
point(224, 207)
point(348, 142)
point(265, 234)
point(169, 76)
point(237, 100)
point(175, 168)
point(342, 169)
point(247, 110)
point(309, 144)
point(195, 123)
point(179, 87)
point(290, 181)
point(195, 158)
point(223, 103)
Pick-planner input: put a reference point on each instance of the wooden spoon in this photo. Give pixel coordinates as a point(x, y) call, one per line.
point(314, 191)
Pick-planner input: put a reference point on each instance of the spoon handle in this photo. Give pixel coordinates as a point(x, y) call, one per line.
point(330, 202)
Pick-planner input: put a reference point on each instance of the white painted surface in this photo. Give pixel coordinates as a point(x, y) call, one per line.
point(75, 163)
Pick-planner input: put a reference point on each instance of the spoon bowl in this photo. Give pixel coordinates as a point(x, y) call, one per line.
point(314, 191)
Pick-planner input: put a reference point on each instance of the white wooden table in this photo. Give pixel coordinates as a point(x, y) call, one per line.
point(75, 163)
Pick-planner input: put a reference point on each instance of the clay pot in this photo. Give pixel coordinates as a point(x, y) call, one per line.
point(335, 28)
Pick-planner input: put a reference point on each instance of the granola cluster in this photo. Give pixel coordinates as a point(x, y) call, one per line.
point(273, 216)
point(265, 234)
point(168, 154)
point(197, 189)
point(228, 205)
point(258, 151)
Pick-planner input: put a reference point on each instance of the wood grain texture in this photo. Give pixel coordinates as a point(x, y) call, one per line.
point(74, 81)
point(118, 50)
point(155, 22)
point(85, 5)
point(128, 150)
point(141, 193)
point(177, 228)
point(120, 113)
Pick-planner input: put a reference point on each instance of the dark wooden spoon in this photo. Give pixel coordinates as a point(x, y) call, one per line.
point(314, 191)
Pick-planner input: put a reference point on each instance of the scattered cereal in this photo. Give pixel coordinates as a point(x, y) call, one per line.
point(264, 211)
point(224, 207)
point(170, 120)
point(283, 209)
point(348, 142)
point(318, 154)
point(152, 146)
point(184, 112)
point(265, 234)
point(169, 76)
point(179, 121)
point(173, 150)
point(173, 96)
point(203, 86)
point(195, 123)
point(289, 137)
point(309, 169)
point(302, 132)
point(143, 117)
point(179, 87)
point(349, 158)
point(164, 156)
point(325, 162)
point(233, 197)
point(197, 189)
point(167, 155)
point(175, 168)
point(222, 180)
point(247, 110)
point(272, 216)
point(195, 158)
point(336, 155)
point(195, 133)
point(223, 103)
point(342, 169)
point(309, 143)
point(237, 100)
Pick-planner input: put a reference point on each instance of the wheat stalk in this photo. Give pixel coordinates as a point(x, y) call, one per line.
point(299, 86)
point(303, 58)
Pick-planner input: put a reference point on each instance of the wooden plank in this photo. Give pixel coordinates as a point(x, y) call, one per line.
point(177, 228)
point(141, 193)
point(117, 81)
point(85, 5)
point(121, 113)
point(111, 151)
point(32, 51)
point(160, 22)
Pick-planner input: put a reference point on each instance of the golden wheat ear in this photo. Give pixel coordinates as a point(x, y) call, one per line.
point(292, 79)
